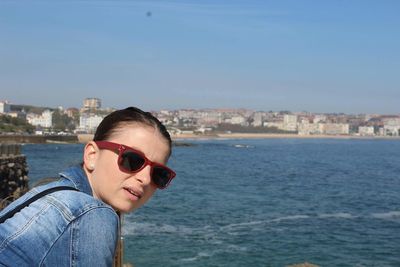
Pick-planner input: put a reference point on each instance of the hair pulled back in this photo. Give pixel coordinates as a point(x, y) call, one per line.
point(115, 120)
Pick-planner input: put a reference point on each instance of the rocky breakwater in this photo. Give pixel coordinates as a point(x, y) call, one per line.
point(13, 173)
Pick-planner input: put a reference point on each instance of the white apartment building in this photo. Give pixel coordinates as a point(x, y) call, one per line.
point(45, 120)
point(209, 118)
point(258, 119)
point(290, 122)
point(319, 118)
point(186, 114)
point(392, 121)
point(391, 130)
point(391, 126)
point(366, 130)
point(89, 123)
point(4, 107)
point(306, 128)
point(336, 128)
point(278, 125)
point(238, 120)
point(165, 112)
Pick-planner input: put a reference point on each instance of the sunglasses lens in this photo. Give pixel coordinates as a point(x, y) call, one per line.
point(131, 161)
point(160, 176)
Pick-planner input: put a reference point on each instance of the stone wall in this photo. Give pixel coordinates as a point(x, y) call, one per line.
point(13, 173)
point(38, 139)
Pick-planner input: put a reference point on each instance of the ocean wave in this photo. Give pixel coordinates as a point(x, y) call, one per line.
point(290, 218)
point(222, 250)
point(262, 222)
point(197, 257)
point(133, 228)
point(242, 146)
point(210, 231)
point(243, 224)
point(387, 215)
point(340, 215)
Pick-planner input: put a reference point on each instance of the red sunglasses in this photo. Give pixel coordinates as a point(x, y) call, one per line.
point(131, 160)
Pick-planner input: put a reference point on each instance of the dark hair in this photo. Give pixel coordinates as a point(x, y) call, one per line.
point(114, 120)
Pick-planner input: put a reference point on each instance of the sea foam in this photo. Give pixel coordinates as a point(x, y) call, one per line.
point(387, 215)
point(339, 215)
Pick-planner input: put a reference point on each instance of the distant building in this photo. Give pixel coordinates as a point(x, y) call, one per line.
point(17, 114)
point(278, 125)
point(209, 118)
point(203, 130)
point(391, 121)
point(391, 130)
point(165, 112)
point(336, 128)
point(5, 107)
point(319, 118)
point(89, 123)
point(391, 127)
point(258, 119)
point(91, 104)
point(366, 130)
point(72, 112)
point(45, 120)
point(238, 120)
point(186, 113)
point(290, 122)
point(306, 128)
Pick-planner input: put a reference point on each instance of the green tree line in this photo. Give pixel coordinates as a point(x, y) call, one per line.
point(15, 125)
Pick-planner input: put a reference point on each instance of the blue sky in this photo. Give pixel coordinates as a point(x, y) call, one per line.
point(318, 56)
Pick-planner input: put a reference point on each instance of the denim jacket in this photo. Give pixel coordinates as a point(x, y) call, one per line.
point(63, 228)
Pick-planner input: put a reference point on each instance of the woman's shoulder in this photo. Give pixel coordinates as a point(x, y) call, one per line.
point(62, 197)
point(75, 203)
point(48, 220)
point(71, 202)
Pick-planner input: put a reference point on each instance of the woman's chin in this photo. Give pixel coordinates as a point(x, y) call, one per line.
point(125, 208)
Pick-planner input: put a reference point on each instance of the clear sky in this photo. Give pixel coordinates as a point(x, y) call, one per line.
point(318, 56)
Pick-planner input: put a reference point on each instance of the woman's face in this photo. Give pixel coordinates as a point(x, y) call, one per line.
point(123, 191)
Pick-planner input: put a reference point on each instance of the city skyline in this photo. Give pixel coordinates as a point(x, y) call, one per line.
point(320, 57)
point(82, 106)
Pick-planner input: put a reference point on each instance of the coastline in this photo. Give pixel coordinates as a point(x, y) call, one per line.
point(275, 136)
point(84, 138)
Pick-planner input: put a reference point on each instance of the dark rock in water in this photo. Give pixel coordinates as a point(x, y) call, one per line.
point(174, 143)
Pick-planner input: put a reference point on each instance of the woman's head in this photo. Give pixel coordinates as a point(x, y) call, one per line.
point(116, 120)
point(125, 162)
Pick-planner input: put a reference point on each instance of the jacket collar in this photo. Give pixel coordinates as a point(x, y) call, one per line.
point(77, 176)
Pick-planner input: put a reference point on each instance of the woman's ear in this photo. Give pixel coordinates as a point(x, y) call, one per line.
point(90, 155)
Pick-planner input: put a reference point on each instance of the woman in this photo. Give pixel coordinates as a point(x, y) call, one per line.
point(122, 168)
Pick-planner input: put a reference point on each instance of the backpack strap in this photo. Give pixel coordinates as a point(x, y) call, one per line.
point(26, 203)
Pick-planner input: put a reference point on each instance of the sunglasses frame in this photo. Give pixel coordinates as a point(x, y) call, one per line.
point(120, 149)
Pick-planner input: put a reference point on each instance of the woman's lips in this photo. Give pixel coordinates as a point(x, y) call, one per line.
point(133, 194)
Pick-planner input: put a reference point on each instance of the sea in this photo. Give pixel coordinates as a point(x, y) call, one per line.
point(262, 202)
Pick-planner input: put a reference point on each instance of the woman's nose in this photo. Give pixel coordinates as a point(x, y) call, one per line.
point(144, 176)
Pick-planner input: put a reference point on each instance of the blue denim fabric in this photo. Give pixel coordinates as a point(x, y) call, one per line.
point(64, 228)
